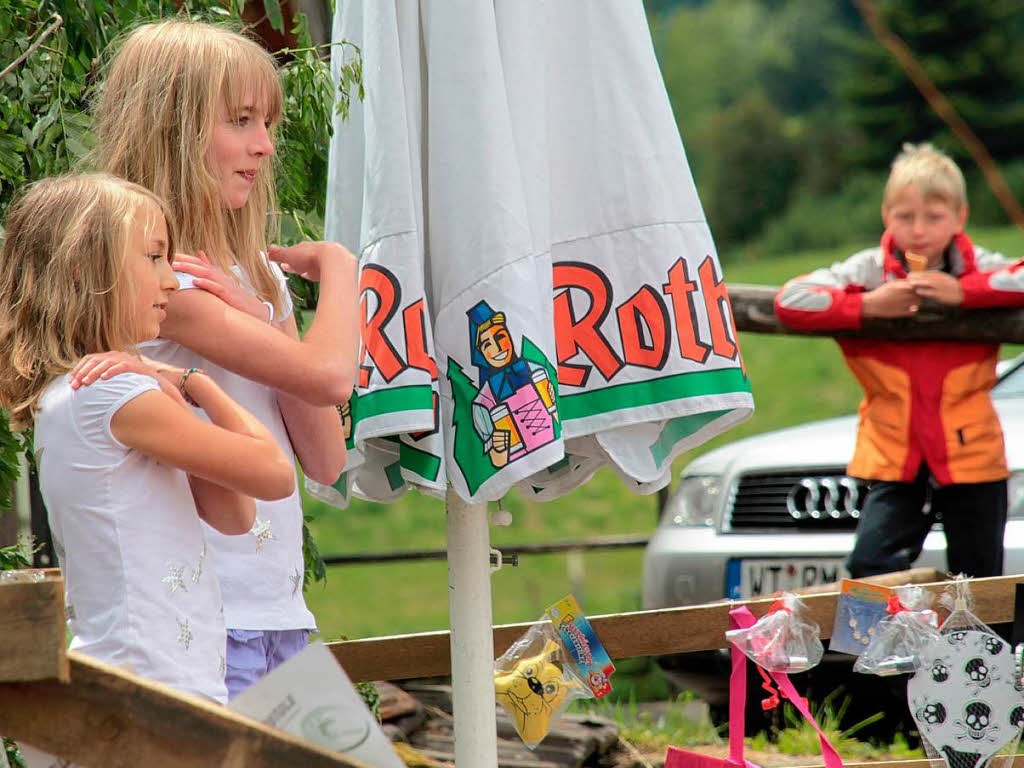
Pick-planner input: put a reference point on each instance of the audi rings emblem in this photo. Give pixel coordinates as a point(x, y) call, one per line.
point(823, 498)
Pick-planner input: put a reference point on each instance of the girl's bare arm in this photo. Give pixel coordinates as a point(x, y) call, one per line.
point(235, 454)
point(314, 430)
point(317, 369)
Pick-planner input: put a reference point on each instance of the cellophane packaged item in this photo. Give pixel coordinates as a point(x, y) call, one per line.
point(909, 625)
point(556, 661)
point(782, 640)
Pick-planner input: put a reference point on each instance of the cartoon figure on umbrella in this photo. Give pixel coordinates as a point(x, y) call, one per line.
point(514, 411)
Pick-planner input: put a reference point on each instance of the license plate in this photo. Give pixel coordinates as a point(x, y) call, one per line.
point(762, 578)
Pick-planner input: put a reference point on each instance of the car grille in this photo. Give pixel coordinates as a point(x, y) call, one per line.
point(811, 500)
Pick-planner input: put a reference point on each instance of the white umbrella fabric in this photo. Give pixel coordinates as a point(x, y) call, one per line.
point(517, 160)
point(541, 293)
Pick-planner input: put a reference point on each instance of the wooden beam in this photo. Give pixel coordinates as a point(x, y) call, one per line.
point(114, 719)
point(627, 635)
point(32, 631)
point(754, 311)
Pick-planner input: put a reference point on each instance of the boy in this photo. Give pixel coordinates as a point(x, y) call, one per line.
point(929, 439)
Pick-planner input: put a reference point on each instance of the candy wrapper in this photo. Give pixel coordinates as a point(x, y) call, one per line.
point(556, 661)
point(963, 695)
point(897, 640)
point(781, 640)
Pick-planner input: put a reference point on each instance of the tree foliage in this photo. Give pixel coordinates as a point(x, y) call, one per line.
point(757, 85)
point(970, 49)
point(44, 105)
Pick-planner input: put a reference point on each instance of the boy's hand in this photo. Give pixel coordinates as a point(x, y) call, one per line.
point(896, 298)
point(937, 286)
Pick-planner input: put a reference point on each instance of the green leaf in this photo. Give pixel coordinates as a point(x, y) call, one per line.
point(274, 16)
point(316, 569)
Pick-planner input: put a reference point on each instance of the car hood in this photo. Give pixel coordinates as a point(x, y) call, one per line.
point(830, 443)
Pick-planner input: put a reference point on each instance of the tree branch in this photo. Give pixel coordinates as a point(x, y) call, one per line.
point(58, 20)
point(943, 108)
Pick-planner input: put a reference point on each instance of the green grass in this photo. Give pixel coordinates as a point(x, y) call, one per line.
point(794, 380)
point(797, 736)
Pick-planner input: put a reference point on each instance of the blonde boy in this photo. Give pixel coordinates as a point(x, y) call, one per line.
point(929, 441)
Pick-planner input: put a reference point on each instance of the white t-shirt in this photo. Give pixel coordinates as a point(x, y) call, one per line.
point(140, 588)
point(260, 572)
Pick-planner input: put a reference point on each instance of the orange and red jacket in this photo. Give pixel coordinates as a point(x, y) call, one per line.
point(924, 401)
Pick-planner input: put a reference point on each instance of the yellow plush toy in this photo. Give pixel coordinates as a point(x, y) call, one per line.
point(532, 692)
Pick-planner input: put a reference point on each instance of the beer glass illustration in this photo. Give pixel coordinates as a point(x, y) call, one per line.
point(502, 418)
point(544, 389)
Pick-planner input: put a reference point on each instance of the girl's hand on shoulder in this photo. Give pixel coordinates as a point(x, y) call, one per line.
point(222, 285)
point(169, 378)
point(104, 365)
point(307, 259)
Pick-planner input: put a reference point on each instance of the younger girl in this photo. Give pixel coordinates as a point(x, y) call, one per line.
point(189, 110)
point(126, 470)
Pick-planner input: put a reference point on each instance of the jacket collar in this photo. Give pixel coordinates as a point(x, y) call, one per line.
point(959, 256)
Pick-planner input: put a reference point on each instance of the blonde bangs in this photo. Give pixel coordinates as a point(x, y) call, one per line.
point(63, 286)
point(155, 116)
point(933, 172)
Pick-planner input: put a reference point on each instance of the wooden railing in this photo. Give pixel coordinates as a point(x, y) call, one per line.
point(754, 311)
point(97, 715)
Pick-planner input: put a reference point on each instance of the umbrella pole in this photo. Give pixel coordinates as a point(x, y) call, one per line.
point(472, 641)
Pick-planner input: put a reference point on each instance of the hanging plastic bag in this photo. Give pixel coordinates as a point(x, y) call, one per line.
point(963, 696)
point(896, 643)
point(782, 640)
point(558, 660)
point(684, 758)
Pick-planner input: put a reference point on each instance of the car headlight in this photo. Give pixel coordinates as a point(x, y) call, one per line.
point(692, 505)
point(1015, 496)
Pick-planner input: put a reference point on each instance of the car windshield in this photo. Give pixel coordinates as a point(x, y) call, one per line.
point(1011, 382)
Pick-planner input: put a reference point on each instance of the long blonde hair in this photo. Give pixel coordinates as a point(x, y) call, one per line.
point(154, 119)
point(64, 289)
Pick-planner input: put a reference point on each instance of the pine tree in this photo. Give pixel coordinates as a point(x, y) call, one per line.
point(969, 48)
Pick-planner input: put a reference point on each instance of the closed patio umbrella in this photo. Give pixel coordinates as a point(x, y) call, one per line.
point(540, 291)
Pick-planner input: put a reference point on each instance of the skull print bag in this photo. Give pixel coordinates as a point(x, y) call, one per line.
point(741, 618)
point(964, 696)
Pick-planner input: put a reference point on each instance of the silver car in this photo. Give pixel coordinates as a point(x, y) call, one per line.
point(777, 511)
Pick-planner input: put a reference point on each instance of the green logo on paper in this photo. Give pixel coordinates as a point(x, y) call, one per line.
point(327, 726)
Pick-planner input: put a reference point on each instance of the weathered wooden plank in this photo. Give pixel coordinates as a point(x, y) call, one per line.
point(32, 631)
point(105, 717)
point(894, 579)
point(627, 635)
point(754, 311)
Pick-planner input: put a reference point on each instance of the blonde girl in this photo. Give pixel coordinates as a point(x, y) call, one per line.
point(126, 469)
point(190, 110)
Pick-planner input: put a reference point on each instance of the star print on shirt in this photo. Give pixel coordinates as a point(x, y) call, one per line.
point(261, 530)
point(296, 578)
point(175, 579)
point(197, 572)
point(184, 633)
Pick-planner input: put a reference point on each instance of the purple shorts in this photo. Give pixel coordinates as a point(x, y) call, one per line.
point(252, 653)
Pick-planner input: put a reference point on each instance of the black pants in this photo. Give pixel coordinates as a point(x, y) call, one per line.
point(896, 517)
